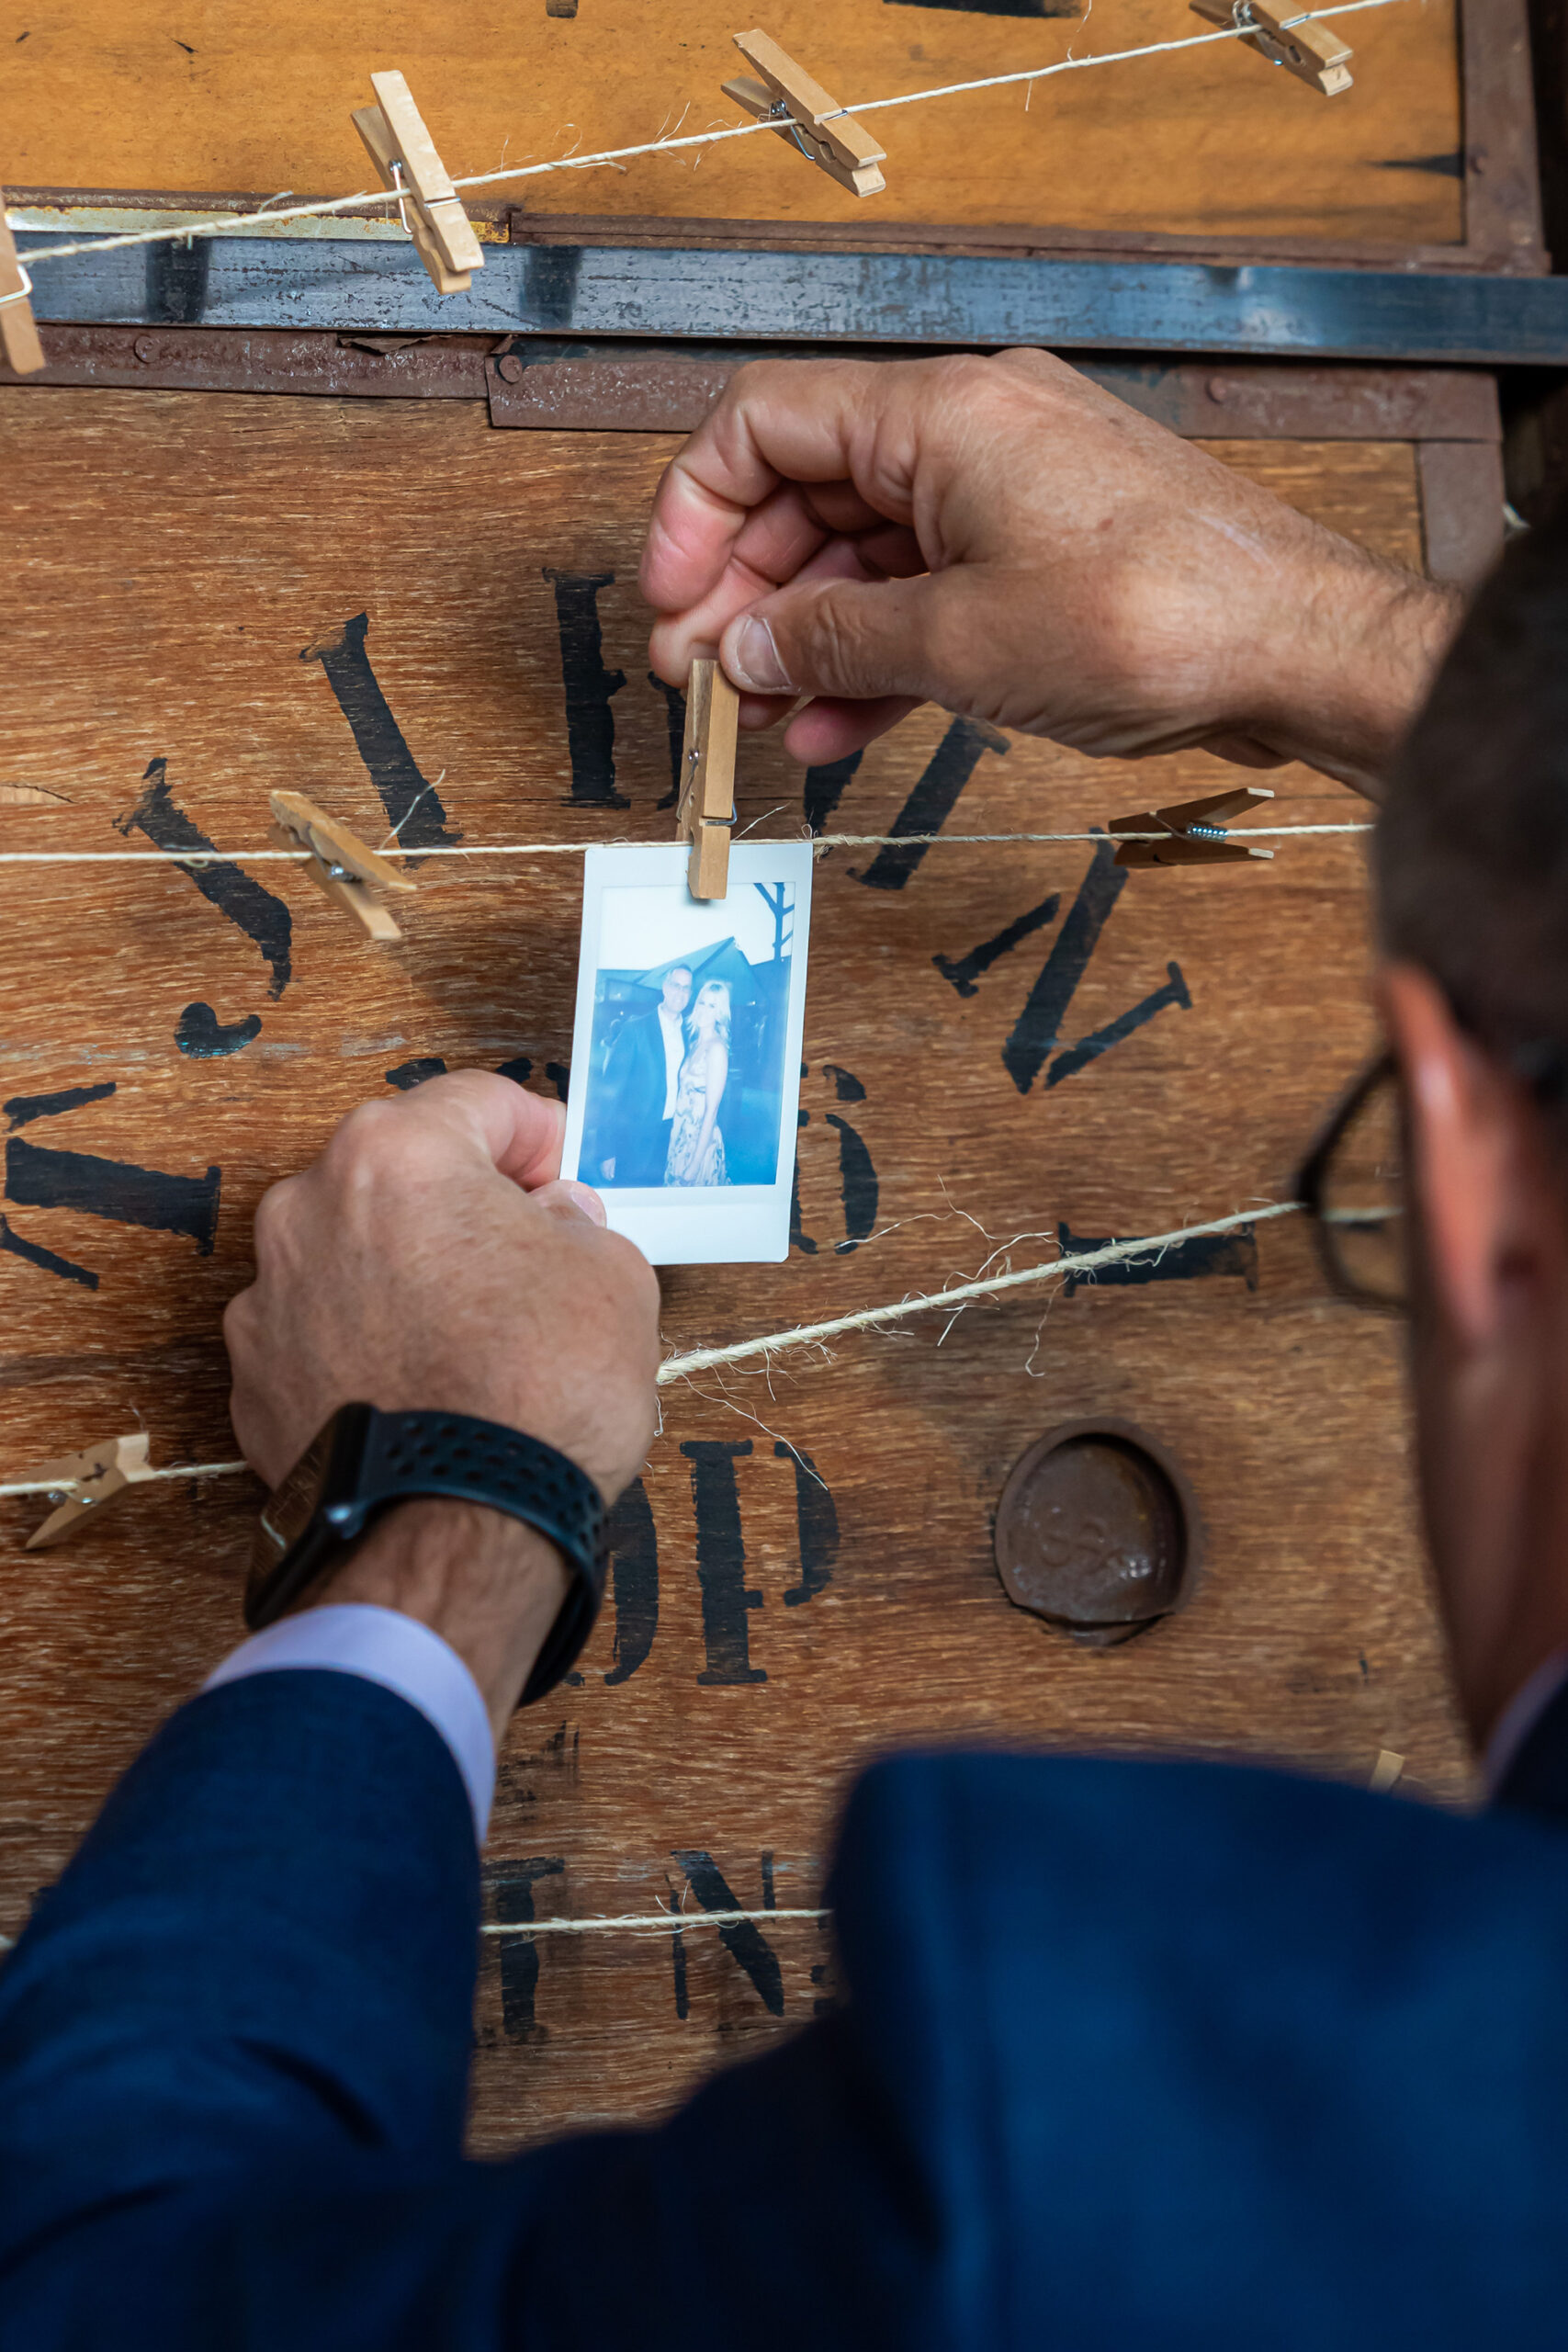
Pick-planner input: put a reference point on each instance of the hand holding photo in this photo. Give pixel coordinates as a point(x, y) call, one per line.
point(686, 1049)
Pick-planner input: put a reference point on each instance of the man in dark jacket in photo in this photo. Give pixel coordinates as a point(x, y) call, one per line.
point(633, 1103)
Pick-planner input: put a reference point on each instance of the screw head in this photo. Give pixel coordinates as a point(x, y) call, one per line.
point(145, 348)
point(510, 367)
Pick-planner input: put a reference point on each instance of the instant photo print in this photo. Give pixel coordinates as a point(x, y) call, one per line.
point(685, 1058)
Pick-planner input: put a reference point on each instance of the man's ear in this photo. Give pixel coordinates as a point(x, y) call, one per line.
point(1465, 1149)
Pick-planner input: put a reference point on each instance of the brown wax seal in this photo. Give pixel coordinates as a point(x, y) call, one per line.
point(1097, 1532)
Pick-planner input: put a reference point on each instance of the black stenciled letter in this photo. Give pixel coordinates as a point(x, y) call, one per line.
point(19, 1111)
point(590, 721)
point(857, 1184)
point(798, 1236)
point(414, 806)
point(825, 789)
point(741, 1938)
point(998, 7)
point(675, 729)
point(964, 971)
point(634, 1581)
point(721, 1560)
point(1089, 1048)
point(1040, 1023)
point(259, 915)
point(818, 1523)
point(116, 1189)
point(1179, 1261)
point(512, 1886)
point(933, 800)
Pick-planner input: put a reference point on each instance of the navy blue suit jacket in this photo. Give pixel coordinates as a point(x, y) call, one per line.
point(1134, 2054)
point(631, 1128)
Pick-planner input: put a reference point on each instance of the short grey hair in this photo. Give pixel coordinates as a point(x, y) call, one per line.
point(1470, 855)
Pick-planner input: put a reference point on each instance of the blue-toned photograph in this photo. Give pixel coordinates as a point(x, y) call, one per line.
point(687, 1058)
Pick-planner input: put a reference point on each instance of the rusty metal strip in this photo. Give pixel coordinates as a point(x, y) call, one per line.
point(544, 382)
point(653, 389)
point(225, 360)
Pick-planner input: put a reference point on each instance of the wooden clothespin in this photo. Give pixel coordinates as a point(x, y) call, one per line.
point(18, 332)
point(340, 863)
point(705, 811)
point(1196, 835)
point(86, 1481)
point(806, 115)
point(1313, 53)
point(404, 153)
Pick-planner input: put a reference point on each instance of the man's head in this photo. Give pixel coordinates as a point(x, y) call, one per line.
point(1472, 863)
point(677, 988)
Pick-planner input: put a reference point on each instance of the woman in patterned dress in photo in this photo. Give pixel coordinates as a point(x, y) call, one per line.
point(696, 1145)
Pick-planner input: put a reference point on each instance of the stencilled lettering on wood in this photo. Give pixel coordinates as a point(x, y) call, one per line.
point(1036, 1033)
point(511, 1886)
point(412, 804)
point(45, 1176)
point(859, 1190)
point(933, 800)
point(589, 687)
point(259, 913)
point(1182, 1261)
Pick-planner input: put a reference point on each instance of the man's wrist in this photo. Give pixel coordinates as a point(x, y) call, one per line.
point(1345, 687)
point(490, 1585)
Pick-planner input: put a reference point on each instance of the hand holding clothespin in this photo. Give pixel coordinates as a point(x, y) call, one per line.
point(806, 115)
point(1287, 37)
point(705, 810)
point(404, 153)
point(340, 863)
point(17, 331)
point(80, 1484)
point(1190, 832)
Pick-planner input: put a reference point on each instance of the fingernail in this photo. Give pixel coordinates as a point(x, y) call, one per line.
point(754, 661)
point(585, 1198)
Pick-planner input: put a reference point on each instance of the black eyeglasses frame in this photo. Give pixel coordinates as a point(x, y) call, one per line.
point(1312, 1183)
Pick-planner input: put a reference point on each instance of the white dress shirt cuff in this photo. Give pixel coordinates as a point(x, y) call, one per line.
point(403, 1656)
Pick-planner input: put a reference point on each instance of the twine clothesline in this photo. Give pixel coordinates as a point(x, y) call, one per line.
point(234, 225)
point(644, 1922)
point(578, 849)
point(1082, 1264)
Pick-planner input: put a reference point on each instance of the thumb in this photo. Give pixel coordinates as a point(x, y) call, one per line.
point(566, 1199)
point(856, 639)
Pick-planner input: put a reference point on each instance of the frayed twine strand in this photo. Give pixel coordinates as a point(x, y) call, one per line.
point(1083, 1264)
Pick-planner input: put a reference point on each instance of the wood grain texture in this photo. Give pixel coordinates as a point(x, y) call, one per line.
point(258, 95)
point(174, 555)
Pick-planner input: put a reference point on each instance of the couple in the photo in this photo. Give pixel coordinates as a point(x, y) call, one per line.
point(664, 1077)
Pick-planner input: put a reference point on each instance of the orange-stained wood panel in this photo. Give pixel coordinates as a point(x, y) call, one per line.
point(256, 95)
point(174, 556)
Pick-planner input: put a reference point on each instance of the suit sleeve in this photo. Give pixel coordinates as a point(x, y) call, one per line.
point(262, 1960)
point(235, 2045)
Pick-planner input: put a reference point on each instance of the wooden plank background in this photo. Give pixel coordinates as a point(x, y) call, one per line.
point(256, 95)
point(172, 556)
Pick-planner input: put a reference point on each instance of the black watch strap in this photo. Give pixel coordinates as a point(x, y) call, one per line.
point(376, 1460)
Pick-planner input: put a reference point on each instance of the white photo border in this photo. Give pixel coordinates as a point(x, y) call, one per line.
point(735, 1225)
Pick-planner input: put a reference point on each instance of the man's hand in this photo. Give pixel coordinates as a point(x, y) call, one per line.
point(429, 1258)
point(1002, 537)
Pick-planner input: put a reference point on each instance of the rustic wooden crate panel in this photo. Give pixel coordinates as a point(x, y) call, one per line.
point(115, 94)
point(175, 554)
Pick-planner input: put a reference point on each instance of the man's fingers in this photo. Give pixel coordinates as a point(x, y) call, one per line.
point(790, 419)
point(482, 1114)
point(826, 731)
point(856, 639)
